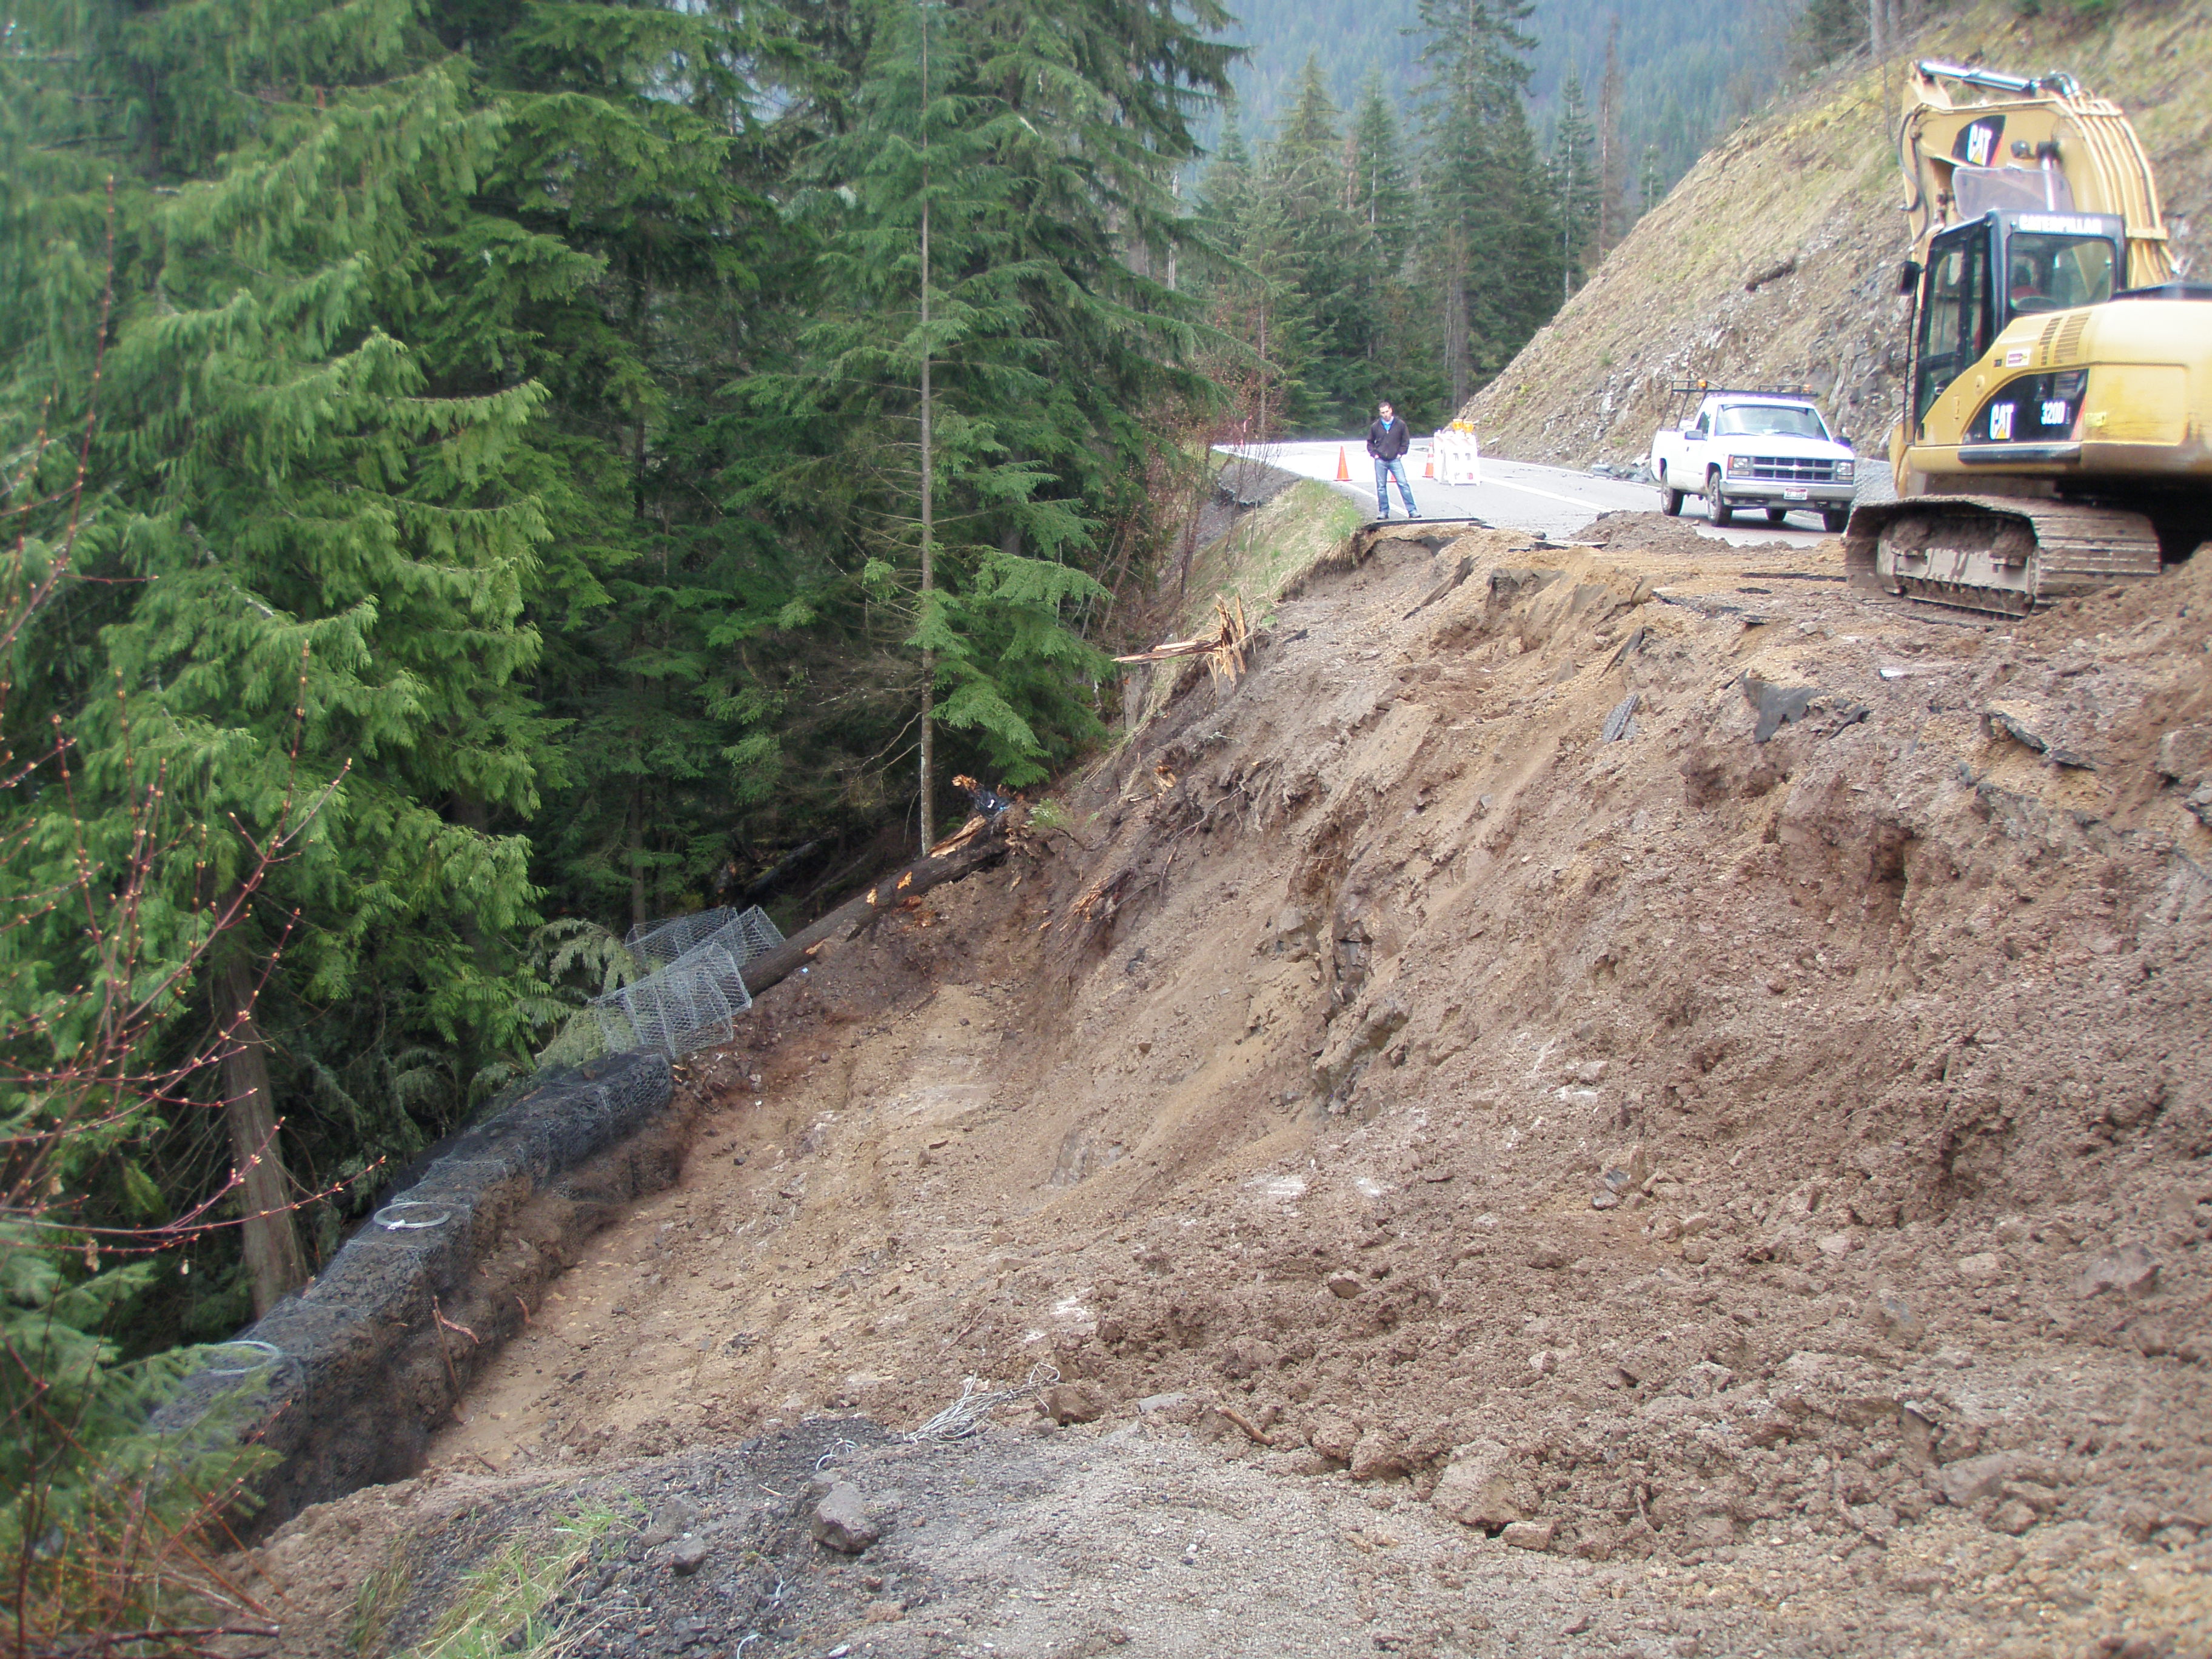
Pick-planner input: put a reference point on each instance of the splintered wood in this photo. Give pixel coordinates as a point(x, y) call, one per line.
point(1224, 649)
point(1104, 896)
point(967, 835)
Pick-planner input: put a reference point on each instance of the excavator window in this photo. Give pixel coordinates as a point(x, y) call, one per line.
point(1956, 325)
point(2056, 273)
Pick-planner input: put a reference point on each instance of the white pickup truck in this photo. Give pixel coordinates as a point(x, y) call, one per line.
point(1745, 449)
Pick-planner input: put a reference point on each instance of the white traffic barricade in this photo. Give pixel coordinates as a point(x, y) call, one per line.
point(1458, 454)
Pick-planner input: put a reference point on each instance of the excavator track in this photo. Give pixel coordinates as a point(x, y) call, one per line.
point(2002, 553)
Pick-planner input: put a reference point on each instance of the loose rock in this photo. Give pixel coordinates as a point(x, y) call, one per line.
point(1376, 1455)
point(1335, 1438)
point(2131, 1271)
point(1984, 1269)
point(1477, 1488)
point(669, 1519)
point(1530, 1534)
point(842, 1521)
point(1971, 1479)
point(1074, 1402)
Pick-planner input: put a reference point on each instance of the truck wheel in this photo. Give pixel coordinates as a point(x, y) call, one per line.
point(1778, 514)
point(1833, 520)
point(1718, 513)
point(1670, 499)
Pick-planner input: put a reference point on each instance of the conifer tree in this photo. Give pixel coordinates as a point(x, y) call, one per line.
point(1042, 338)
point(1611, 160)
point(1650, 182)
point(1253, 280)
point(1575, 187)
point(1493, 253)
point(314, 563)
point(1338, 270)
point(654, 178)
point(1382, 191)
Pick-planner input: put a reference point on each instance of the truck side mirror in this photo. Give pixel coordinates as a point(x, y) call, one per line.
point(1908, 276)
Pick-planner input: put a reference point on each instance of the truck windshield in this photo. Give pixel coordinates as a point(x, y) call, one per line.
point(1770, 421)
point(2056, 273)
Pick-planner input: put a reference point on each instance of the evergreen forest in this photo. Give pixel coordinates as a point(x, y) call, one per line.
point(481, 477)
point(1685, 71)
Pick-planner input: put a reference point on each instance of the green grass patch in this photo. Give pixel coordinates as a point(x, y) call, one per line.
point(499, 1611)
point(377, 1602)
point(1269, 549)
point(1264, 555)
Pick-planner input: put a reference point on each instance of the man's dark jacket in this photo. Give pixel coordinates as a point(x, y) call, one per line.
point(1389, 443)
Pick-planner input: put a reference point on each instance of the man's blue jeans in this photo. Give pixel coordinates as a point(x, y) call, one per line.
point(1384, 471)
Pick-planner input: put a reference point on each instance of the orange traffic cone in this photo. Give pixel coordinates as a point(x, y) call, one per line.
point(1343, 471)
point(1430, 470)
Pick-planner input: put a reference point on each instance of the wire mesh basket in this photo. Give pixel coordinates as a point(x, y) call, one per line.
point(744, 933)
point(692, 998)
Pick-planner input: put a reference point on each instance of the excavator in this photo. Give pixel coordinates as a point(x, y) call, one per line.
point(2059, 377)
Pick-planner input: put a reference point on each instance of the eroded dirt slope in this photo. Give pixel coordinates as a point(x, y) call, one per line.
point(1767, 1150)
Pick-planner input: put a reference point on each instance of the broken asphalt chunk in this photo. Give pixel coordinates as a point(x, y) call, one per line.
point(1777, 705)
point(1622, 723)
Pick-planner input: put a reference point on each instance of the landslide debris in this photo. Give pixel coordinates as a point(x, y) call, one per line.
point(1755, 1165)
point(1774, 261)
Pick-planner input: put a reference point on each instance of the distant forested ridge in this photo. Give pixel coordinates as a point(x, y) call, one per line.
point(1687, 70)
point(1407, 245)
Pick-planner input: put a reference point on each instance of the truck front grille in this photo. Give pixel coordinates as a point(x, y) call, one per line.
point(1787, 469)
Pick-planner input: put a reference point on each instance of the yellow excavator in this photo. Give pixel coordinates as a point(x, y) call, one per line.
point(2059, 377)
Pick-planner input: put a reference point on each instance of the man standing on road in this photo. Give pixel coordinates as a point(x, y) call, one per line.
point(1387, 440)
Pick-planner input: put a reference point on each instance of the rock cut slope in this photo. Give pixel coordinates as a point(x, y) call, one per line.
point(1642, 1050)
point(1775, 260)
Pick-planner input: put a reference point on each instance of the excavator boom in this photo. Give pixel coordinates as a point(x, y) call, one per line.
point(2044, 144)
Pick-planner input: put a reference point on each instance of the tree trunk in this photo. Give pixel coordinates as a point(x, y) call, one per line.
point(1612, 184)
point(928, 504)
point(275, 1263)
point(637, 911)
point(893, 889)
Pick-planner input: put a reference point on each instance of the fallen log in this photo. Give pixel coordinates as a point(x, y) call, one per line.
point(963, 855)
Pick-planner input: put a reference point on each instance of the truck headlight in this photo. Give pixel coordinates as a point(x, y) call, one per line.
point(1739, 466)
point(1846, 470)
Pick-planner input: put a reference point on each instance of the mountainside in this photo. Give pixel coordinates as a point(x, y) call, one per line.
point(1775, 259)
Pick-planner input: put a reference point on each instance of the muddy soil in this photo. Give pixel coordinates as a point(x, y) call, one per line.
point(1648, 1053)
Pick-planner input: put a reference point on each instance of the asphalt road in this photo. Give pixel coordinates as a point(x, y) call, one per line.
point(1517, 495)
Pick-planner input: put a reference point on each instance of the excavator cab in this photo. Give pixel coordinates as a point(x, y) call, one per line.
point(2050, 262)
